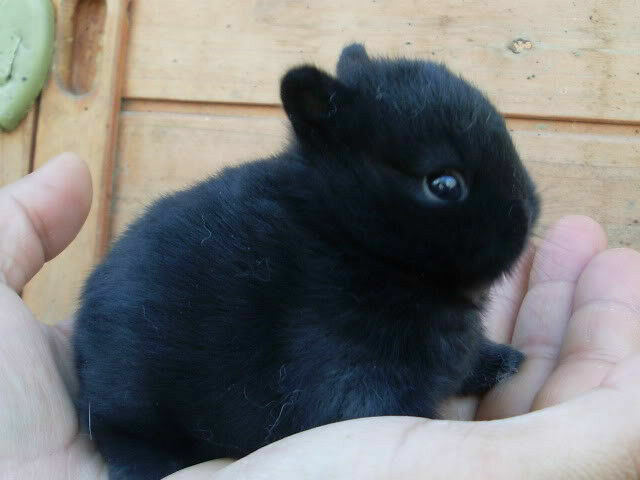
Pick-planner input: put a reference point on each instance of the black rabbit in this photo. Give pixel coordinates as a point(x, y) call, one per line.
point(344, 277)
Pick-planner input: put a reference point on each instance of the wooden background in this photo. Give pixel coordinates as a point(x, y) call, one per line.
point(199, 90)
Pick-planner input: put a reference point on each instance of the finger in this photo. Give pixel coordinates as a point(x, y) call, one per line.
point(604, 327)
point(505, 299)
point(566, 250)
point(39, 216)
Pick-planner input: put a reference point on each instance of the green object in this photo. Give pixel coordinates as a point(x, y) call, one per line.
point(26, 48)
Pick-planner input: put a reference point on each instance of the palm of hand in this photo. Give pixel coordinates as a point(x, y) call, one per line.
point(575, 313)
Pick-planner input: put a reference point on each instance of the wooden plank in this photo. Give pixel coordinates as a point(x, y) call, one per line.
point(186, 148)
point(580, 168)
point(201, 108)
point(15, 150)
point(585, 169)
point(583, 61)
point(79, 112)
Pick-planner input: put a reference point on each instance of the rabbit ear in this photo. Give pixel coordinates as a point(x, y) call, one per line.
point(352, 58)
point(315, 103)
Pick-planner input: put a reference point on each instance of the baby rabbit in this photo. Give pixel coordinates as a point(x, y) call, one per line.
point(341, 278)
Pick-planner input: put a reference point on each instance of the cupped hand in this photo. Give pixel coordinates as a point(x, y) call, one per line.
point(39, 216)
point(571, 413)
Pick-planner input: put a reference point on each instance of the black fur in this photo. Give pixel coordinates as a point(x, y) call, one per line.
point(319, 285)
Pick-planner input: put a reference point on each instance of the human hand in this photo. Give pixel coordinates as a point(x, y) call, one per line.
point(586, 374)
point(572, 412)
point(39, 439)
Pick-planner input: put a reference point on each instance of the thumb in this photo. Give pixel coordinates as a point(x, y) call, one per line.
point(39, 216)
point(580, 439)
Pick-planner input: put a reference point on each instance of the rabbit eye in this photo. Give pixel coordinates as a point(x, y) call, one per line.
point(445, 186)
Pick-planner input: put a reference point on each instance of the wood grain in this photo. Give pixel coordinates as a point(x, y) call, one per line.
point(161, 152)
point(587, 169)
point(86, 124)
point(201, 93)
point(15, 150)
point(580, 168)
point(583, 61)
point(88, 28)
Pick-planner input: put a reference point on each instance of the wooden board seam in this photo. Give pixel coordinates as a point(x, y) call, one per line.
point(251, 109)
point(34, 134)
